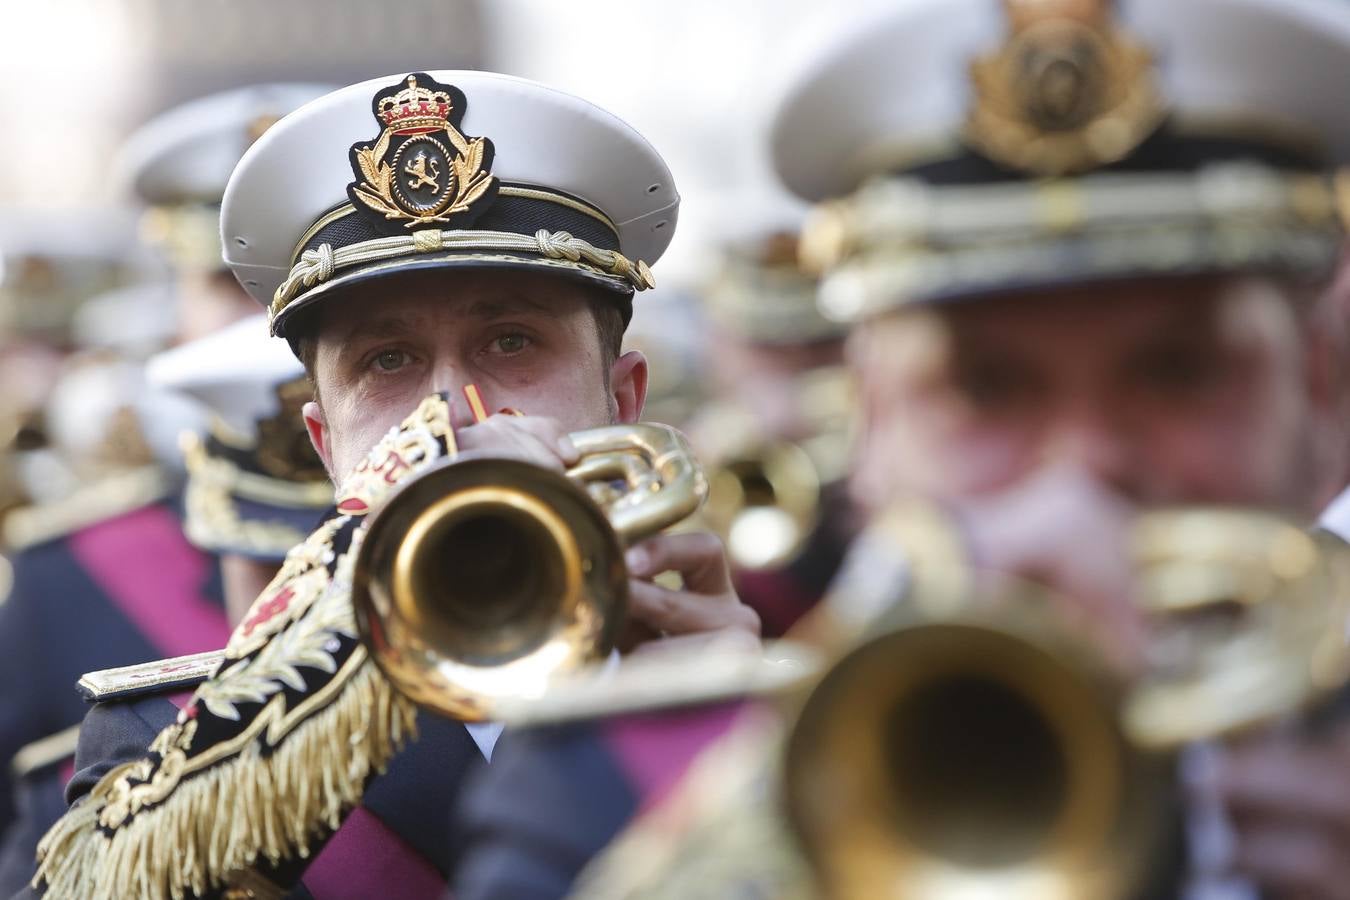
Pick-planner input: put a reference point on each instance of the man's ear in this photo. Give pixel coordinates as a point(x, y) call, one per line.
point(628, 386)
point(318, 433)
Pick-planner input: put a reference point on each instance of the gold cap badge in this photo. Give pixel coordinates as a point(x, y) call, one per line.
point(422, 169)
point(1069, 91)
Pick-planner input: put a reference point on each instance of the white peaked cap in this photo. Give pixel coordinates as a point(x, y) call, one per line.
point(186, 155)
point(894, 84)
point(234, 372)
point(541, 138)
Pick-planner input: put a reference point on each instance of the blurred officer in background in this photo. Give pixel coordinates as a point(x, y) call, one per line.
point(177, 166)
point(1087, 251)
point(45, 281)
point(105, 576)
point(44, 285)
point(254, 489)
point(775, 442)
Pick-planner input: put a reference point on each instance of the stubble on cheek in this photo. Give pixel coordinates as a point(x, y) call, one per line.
point(359, 427)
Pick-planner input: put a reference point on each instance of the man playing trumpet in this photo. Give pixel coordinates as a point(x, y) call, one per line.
point(507, 281)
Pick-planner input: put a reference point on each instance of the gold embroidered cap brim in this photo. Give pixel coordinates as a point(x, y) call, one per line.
point(869, 287)
point(448, 260)
point(900, 241)
point(230, 510)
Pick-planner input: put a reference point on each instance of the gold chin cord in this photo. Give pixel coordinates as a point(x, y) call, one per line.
point(482, 579)
point(985, 752)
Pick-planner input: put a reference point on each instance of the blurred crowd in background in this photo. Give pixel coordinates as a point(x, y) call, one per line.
point(1073, 312)
point(109, 249)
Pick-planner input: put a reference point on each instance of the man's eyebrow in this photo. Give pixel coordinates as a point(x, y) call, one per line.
point(504, 305)
point(381, 327)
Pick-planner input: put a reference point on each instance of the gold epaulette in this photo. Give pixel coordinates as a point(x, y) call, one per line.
point(45, 752)
point(103, 499)
point(162, 675)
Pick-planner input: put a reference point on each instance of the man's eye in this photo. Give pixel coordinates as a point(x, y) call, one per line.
point(1179, 368)
point(996, 387)
point(510, 343)
point(391, 360)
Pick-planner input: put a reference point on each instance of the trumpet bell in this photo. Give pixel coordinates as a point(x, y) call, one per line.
point(962, 759)
point(482, 579)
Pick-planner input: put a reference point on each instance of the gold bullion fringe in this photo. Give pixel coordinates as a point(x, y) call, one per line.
point(223, 819)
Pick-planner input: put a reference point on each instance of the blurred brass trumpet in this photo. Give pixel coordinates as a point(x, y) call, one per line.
point(480, 579)
point(764, 503)
point(966, 743)
point(973, 756)
point(981, 752)
point(764, 494)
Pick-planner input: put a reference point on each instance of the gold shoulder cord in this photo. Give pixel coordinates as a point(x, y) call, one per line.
point(246, 776)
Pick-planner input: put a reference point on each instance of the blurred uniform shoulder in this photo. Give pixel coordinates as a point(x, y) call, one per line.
point(102, 501)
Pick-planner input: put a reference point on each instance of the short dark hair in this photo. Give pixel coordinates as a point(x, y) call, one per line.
point(609, 328)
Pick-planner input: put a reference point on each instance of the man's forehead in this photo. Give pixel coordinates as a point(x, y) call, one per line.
point(1104, 304)
point(417, 305)
point(1115, 313)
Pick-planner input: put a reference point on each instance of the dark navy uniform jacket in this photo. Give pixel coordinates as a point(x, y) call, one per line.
point(124, 590)
point(39, 801)
point(554, 797)
point(401, 842)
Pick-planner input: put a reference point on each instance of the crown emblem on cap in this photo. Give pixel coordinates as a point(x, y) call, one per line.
point(415, 109)
point(422, 169)
point(1069, 91)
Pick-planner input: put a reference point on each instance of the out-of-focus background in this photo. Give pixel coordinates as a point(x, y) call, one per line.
point(697, 77)
point(110, 192)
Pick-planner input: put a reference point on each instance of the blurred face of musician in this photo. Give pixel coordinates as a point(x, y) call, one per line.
point(1163, 391)
point(208, 300)
point(1045, 422)
point(529, 342)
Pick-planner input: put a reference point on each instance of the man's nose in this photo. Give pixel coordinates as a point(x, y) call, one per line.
point(1065, 529)
point(450, 378)
point(1089, 437)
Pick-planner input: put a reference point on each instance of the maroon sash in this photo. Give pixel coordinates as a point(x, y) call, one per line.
point(154, 576)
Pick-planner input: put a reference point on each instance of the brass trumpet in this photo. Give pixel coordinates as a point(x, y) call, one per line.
point(966, 743)
point(765, 495)
point(481, 579)
point(972, 756)
point(981, 752)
